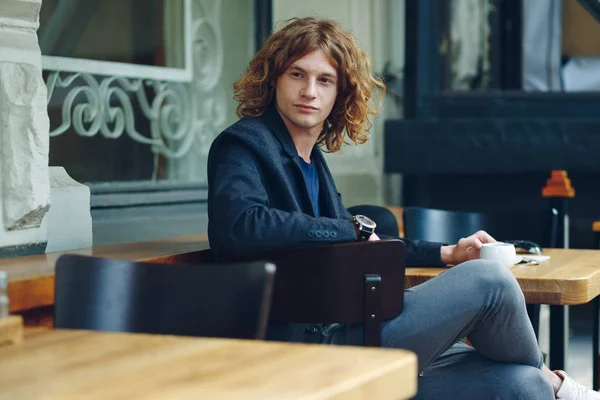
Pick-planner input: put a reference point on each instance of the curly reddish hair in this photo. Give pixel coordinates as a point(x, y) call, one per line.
point(255, 90)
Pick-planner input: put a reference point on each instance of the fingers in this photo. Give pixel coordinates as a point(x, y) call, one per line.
point(484, 237)
point(473, 253)
point(469, 248)
point(471, 241)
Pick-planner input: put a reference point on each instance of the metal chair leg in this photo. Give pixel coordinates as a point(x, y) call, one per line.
point(559, 336)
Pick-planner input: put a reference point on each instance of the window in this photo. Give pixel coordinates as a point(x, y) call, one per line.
point(118, 74)
point(137, 91)
point(490, 122)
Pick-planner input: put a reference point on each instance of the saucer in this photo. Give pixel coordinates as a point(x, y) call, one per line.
point(536, 258)
point(518, 259)
point(533, 259)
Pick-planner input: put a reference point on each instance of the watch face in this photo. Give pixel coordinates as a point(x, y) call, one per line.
point(366, 221)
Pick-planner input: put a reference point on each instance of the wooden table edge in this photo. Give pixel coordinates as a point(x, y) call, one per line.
point(378, 380)
point(572, 297)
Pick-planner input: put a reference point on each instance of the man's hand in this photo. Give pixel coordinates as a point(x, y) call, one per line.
point(466, 249)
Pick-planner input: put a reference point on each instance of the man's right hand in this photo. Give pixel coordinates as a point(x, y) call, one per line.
point(466, 249)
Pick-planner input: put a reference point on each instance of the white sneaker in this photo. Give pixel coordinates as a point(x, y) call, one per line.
point(571, 390)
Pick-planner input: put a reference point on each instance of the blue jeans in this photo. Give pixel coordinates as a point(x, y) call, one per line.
point(483, 301)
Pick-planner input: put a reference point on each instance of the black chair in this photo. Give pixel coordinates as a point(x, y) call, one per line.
point(346, 283)
point(194, 300)
point(443, 225)
point(450, 226)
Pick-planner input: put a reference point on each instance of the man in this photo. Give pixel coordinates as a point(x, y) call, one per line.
point(310, 85)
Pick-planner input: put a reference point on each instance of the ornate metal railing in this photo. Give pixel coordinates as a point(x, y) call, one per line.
point(183, 106)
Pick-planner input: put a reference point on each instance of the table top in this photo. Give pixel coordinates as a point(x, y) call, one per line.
point(40, 264)
point(69, 364)
point(31, 278)
point(571, 276)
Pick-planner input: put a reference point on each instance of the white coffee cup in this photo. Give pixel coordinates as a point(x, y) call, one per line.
point(503, 253)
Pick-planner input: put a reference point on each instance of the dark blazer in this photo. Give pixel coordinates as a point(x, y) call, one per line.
point(258, 198)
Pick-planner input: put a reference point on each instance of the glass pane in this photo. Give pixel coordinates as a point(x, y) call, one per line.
point(580, 48)
point(466, 45)
point(129, 31)
point(97, 158)
point(531, 45)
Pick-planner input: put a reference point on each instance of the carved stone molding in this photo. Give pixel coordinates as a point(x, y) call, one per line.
point(24, 125)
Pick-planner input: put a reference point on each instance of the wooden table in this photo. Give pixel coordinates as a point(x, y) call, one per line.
point(570, 277)
point(66, 364)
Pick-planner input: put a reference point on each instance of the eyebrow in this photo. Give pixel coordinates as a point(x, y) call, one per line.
point(327, 74)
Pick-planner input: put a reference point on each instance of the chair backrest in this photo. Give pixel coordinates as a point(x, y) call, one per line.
point(328, 283)
point(358, 282)
point(450, 226)
point(195, 300)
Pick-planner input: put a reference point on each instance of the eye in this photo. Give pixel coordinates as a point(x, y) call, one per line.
point(296, 74)
point(326, 81)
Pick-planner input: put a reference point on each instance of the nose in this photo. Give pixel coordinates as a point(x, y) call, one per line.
point(310, 89)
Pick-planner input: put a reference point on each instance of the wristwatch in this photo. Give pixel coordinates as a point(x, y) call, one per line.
point(365, 226)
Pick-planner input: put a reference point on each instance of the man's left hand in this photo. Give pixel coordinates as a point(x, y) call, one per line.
point(466, 249)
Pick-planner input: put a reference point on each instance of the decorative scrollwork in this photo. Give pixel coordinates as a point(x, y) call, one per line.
point(207, 46)
point(105, 105)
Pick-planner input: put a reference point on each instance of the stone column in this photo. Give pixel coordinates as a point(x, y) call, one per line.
point(24, 131)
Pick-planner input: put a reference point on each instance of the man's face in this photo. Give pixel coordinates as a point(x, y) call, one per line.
point(306, 93)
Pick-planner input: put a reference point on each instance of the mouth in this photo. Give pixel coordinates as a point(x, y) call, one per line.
point(306, 107)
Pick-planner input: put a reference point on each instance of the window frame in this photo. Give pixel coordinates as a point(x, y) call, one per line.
point(129, 70)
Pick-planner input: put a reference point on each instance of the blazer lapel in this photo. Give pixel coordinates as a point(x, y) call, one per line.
point(274, 121)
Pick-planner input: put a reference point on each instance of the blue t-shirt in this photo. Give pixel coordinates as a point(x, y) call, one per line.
point(312, 181)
